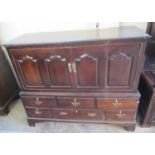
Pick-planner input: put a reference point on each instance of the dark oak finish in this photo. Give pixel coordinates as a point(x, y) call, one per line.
point(78, 36)
point(77, 114)
point(84, 112)
point(8, 86)
point(44, 66)
point(38, 112)
point(120, 115)
point(45, 70)
point(39, 101)
point(76, 102)
point(80, 76)
point(117, 103)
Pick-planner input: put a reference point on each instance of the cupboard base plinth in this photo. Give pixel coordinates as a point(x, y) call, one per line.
point(129, 126)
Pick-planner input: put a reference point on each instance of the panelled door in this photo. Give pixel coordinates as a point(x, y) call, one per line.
point(58, 67)
point(122, 63)
point(43, 68)
point(29, 71)
point(89, 66)
point(106, 67)
point(80, 67)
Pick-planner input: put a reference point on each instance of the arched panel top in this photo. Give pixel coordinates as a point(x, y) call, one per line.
point(118, 54)
point(87, 70)
point(119, 64)
point(58, 72)
point(30, 72)
point(86, 55)
point(27, 57)
point(53, 57)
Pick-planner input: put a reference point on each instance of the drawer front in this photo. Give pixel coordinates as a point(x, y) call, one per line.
point(38, 112)
point(39, 102)
point(77, 114)
point(117, 103)
point(64, 114)
point(120, 115)
point(76, 102)
point(91, 115)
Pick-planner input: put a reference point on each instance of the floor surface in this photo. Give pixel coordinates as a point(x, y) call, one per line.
point(16, 121)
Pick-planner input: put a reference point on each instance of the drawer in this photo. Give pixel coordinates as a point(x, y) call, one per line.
point(38, 112)
point(116, 103)
point(120, 115)
point(90, 115)
point(77, 114)
point(39, 102)
point(76, 102)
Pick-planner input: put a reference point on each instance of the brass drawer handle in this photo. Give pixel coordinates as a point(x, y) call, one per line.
point(63, 113)
point(38, 102)
point(91, 114)
point(75, 103)
point(116, 103)
point(120, 114)
point(37, 111)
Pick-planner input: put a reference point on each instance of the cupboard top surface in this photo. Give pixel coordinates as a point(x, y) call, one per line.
point(119, 33)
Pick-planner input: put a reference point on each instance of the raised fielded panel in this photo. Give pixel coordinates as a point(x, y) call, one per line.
point(30, 72)
point(122, 65)
point(58, 71)
point(89, 63)
point(44, 68)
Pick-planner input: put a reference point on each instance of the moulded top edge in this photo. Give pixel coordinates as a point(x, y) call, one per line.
point(118, 33)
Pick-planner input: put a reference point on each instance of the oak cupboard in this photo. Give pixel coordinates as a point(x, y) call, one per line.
point(80, 76)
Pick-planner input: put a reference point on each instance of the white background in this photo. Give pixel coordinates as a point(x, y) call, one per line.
point(80, 13)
